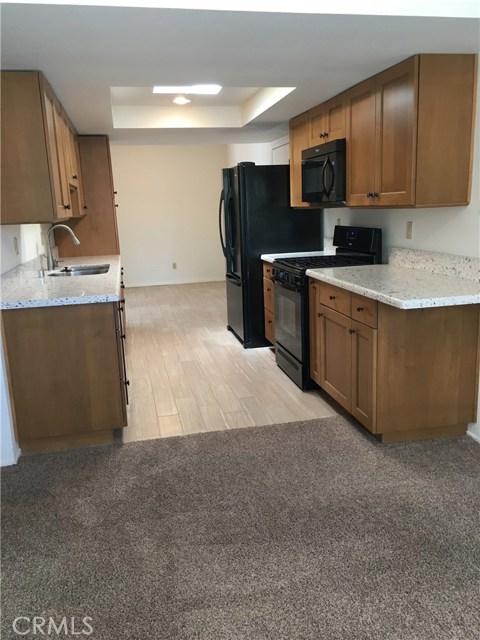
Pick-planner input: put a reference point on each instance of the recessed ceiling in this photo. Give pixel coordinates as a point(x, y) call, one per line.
point(84, 51)
point(140, 108)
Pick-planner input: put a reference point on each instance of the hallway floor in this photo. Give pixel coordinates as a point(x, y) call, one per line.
point(189, 374)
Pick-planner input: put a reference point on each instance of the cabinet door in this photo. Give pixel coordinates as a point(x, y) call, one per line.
point(61, 139)
point(364, 369)
point(327, 121)
point(314, 330)
point(335, 351)
point(396, 99)
point(298, 142)
point(335, 118)
point(57, 163)
point(317, 126)
point(69, 377)
point(361, 144)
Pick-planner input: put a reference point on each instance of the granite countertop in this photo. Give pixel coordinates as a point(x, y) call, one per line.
point(22, 288)
point(400, 286)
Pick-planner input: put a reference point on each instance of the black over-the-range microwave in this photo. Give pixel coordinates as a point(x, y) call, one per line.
point(323, 174)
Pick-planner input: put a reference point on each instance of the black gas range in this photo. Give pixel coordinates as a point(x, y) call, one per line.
point(355, 246)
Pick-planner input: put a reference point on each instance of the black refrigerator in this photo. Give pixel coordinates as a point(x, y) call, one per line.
point(255, 217)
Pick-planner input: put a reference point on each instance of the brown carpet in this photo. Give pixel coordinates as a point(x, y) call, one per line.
point(303, 531)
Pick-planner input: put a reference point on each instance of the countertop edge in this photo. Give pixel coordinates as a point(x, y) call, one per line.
point(407, 303)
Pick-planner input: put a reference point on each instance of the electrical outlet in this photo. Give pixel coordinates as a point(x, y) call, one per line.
point(15, 245)
point(409, 230)
point(174, 265)
point(339, 221)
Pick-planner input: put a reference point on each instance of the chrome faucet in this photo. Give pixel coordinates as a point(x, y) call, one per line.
point(51, 262)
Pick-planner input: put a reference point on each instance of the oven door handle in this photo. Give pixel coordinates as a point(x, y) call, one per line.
point(287, 285)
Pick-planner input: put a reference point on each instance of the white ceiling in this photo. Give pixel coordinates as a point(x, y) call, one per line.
point(86, 50)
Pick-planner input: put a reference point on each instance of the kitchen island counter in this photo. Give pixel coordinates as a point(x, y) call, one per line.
point(22, 287)
point(401, 287)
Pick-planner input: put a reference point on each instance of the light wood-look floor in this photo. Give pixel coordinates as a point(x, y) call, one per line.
point(189, 374)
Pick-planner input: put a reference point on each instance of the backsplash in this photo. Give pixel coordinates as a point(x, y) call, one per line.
point(445, 264)
point(21, 243)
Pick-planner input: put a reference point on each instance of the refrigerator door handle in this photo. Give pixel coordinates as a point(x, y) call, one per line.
point(222, 241)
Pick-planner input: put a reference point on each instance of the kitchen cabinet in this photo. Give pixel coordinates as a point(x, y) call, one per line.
point(409, 132)
point(404, 374)
point(268, 302)
point(67, 373)
point(343, 348)
point(327, 121)
point(36, 153)
point(299, 140)
point(97, 231)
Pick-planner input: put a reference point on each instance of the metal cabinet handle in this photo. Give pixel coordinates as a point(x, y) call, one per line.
point(67, 206)
point(332, 297)
point(325, 134)
point(319, 315)
point(359, 308)
point(75, 177)
point(351, 331)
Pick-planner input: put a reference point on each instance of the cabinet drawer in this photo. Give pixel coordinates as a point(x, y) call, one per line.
point(335, 298)
point(267, 270)
point(269, 326)
point(364, 310)
point(268, 295)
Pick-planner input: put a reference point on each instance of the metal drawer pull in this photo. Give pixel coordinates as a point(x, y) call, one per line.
point(332, 297)
point(319, 315)
point(359, 308)
point(351, 331)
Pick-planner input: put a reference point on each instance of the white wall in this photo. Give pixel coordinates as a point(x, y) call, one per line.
point(9, 450)
point(276, 152)
point(31, 242)
point(168, 212)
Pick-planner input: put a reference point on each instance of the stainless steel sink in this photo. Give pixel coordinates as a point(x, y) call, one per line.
point(81, 270)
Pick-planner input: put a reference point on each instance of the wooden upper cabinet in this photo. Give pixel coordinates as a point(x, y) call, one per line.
point(327, 121)
point(96, 231)
point(409, 134)
point(395, 104)
point(380, 134)
point(35, 152)
point(299, 140)
point(445, 125)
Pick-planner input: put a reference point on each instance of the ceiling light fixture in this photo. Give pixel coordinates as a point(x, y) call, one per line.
point(203, 89)
point(181, 100)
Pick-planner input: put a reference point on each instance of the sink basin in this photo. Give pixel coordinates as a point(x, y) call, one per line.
point(100, 268)
point(81, 270)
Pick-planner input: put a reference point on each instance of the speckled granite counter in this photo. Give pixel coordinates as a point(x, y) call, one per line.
point(22, 288)
point(400, 286)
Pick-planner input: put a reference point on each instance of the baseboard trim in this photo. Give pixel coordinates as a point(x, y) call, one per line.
point(473, 435)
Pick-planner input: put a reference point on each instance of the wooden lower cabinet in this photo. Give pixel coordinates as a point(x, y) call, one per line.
point(268, 302)
point(67, 376)
point(403, 374)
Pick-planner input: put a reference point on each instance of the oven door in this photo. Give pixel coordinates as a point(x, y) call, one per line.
point(289, 318)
